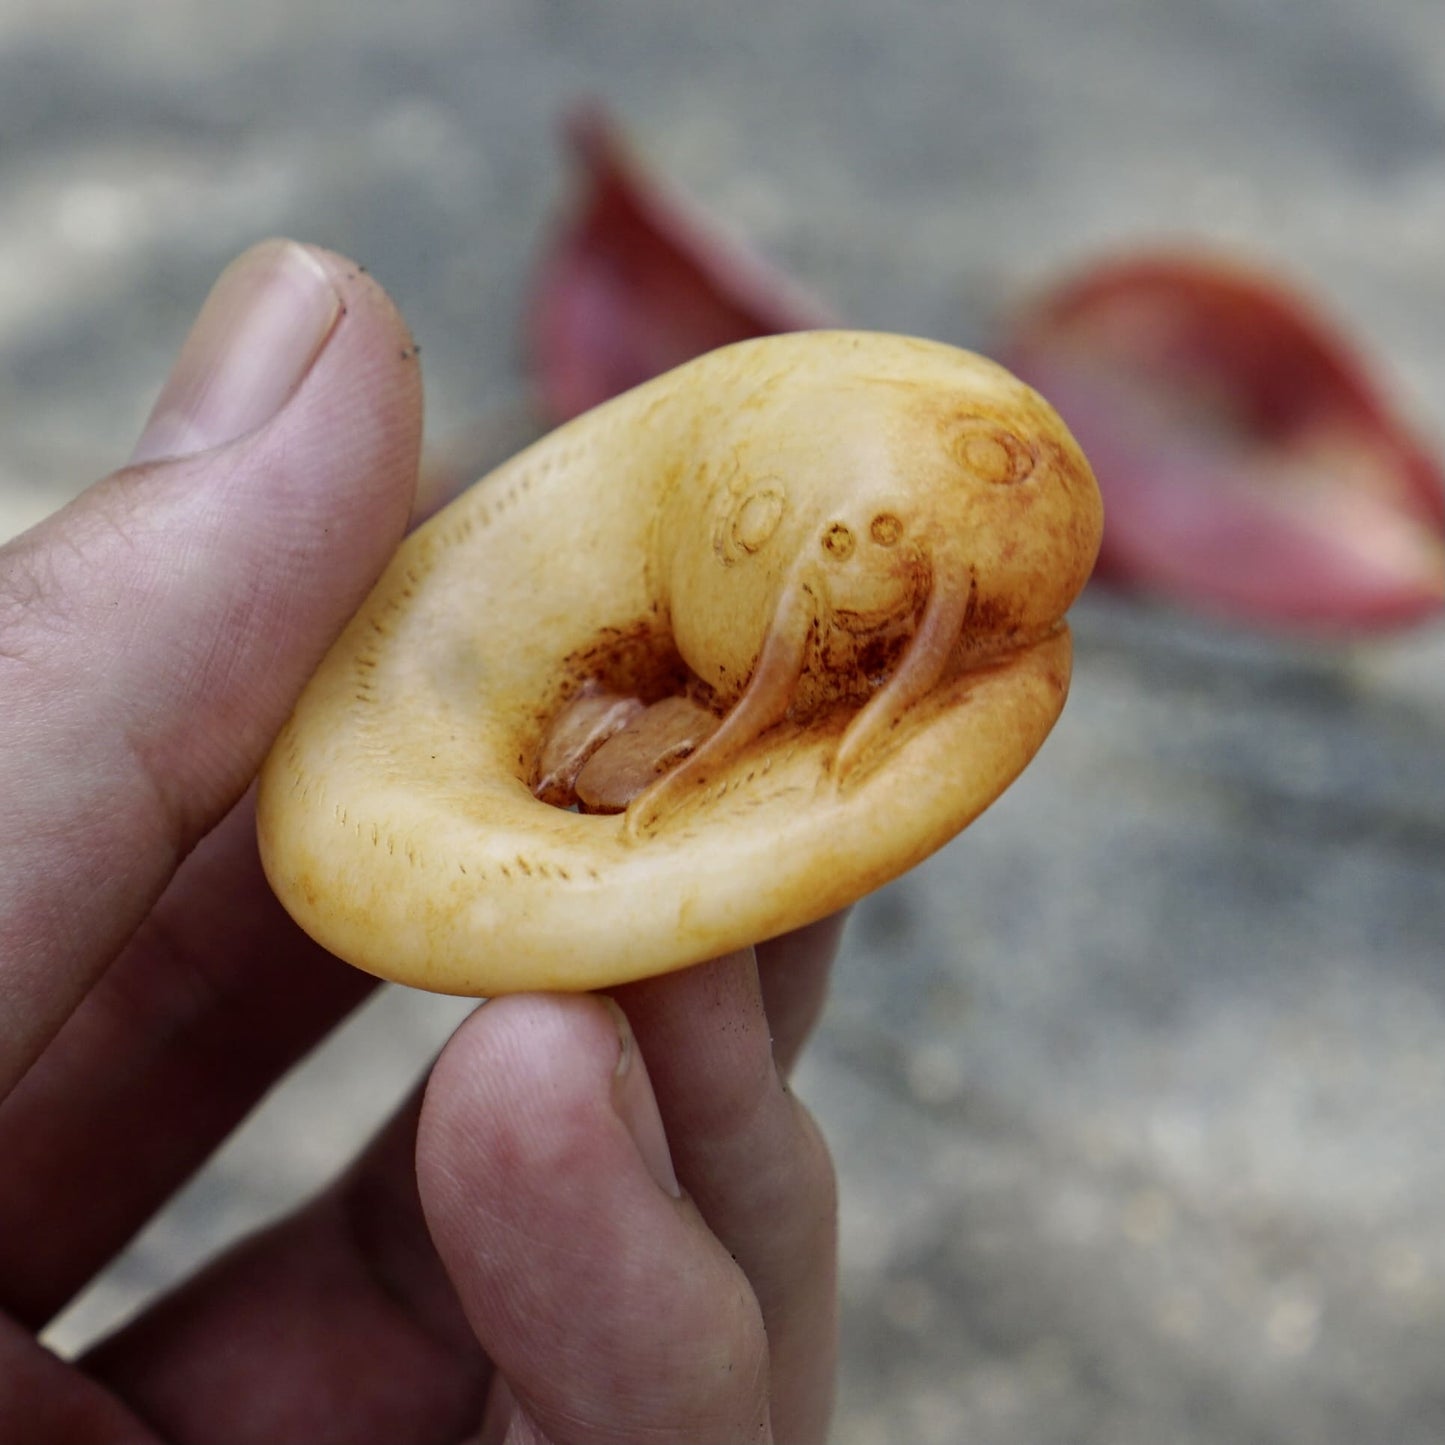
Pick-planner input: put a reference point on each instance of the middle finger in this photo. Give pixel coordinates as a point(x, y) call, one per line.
point(753, 1160)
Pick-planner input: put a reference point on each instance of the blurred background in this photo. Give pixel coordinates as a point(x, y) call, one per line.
point(1135, 1090)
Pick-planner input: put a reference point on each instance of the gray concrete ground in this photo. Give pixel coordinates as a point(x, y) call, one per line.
point(1135, 1089)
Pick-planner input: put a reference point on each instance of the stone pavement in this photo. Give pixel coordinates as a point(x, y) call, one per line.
point(1135, 1090)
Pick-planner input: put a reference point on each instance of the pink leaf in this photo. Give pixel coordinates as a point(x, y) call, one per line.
point(1249, 465)
point(636, 282)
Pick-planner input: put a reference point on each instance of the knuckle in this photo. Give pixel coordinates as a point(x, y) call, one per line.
point(34, 615)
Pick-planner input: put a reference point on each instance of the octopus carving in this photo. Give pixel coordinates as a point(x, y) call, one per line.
point(706, 663)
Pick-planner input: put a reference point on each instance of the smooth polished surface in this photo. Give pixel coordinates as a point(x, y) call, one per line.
point(856, 549)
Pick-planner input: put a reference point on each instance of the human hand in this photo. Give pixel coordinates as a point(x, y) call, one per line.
point(511, 1255)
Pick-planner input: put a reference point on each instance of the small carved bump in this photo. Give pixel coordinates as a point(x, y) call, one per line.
point(573, 737)
point(655, 741)
point(992, 453)
point(838, 540)
point(885, 529)
point(757, 519)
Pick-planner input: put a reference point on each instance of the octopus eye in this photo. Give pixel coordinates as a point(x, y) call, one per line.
point(838, 541)
point(745, 522)
point(757, 519)
point(885, 529)
point(993, 454)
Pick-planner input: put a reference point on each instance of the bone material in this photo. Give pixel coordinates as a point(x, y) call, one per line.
point(856, 550)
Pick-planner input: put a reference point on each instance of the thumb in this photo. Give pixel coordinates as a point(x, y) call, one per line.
point(154, 634)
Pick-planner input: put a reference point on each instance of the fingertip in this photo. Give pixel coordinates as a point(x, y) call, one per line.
point(562, 1242)
point(542, 1085)
point(260, 331)
point(521, 1051)
point(354, 425)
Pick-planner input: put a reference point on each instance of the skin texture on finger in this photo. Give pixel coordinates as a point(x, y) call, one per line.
point(164, 1057)
point(611, 1310)
point(338, 1326)
point(153, 636)
point(753, 1161)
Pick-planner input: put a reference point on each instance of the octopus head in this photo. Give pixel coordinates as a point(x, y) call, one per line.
point(971, 480)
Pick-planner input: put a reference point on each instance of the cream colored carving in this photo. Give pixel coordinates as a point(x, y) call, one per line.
point(855, 549)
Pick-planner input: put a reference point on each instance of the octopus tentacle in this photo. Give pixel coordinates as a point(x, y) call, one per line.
point(764, 701)
point(922, 667)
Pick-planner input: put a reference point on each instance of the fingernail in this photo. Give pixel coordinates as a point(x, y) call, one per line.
point(258, 334)
point(636, 1105)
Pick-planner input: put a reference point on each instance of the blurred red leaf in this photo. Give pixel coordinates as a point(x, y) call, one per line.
point(636, 282)
point(1248, 462)
point(1249, 465)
